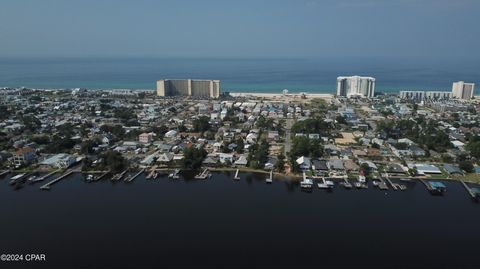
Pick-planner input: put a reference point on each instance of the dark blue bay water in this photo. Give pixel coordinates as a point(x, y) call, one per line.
point(237, 75)
point(220, 223)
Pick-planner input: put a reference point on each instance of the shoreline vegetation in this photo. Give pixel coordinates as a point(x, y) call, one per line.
point(277, 175)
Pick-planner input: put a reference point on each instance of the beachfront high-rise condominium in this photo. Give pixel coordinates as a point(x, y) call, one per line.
point(462, 90)
point(189, 87)
point(356, 86)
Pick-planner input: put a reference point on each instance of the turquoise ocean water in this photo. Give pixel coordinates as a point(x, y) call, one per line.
point(237, 75)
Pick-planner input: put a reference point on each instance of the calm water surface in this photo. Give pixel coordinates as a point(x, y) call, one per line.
point(247, 224)
point(237, 75)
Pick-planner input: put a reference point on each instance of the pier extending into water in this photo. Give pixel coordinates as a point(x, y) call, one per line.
point(470, 191)
point(152, 173)
point(103, 175)
point(270, 179)
point(236, 177)
point(428, 186)
point(347, 183)
point(47, 186)
point(117, 177)
point(203, 175)
point(130, 179)
point(4, 173)
point(44, 177)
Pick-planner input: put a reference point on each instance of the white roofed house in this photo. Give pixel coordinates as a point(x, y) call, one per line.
point(241, 161)
point(225, 157)
point(304, 163)
point(252, 138)
point(171, 134)
point(165, 157)
point(61, 160)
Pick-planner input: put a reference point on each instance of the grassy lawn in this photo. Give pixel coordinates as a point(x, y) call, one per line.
point(472, 177)
point(444, 173)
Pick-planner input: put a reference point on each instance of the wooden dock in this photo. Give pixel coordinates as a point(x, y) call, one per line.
point(394, 186)
point(117, 177)
point(152, 172)
point(47, 186)
point(202, 175)
point(4, 173)
point(270, 179)
point(428, 186)
point(470, 192)
point(102, 175)
point(45, 176)
point(236, 177)
point(347, 183)
point(130, 179)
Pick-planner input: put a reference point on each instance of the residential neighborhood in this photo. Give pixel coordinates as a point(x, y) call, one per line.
point(291, 135)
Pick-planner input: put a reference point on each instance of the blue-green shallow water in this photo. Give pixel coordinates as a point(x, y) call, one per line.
point(222, 223)
point(237, 75)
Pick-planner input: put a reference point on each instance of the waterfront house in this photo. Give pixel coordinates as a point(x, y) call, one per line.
point(210, 161)
point(23, 156)
point(165, 157)
point(394, 168)
point(320, 166)
point(336, 164)
point(350, 165)
point(423, 169)
point(241, 161)
point(304, 163)
point(370, 164)
point(61, 160)
point(225, 157)
point(271, 162)
point(452, 170)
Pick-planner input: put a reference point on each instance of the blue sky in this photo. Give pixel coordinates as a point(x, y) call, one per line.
point(248, 28)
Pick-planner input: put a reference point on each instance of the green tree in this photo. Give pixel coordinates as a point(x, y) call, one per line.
point(466, 166)
point(258, 155)
point(193, 157)
point(201, 124)
point(280, 165)
point(240, 145)
point(341, 120)
point(474, 146)
point(113, 161)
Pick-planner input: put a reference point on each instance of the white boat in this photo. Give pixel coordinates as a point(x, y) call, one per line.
point(174, 175)
point(32, 178)
point(307, 183)
point(323, 186)
point(16, 178)
point(360, 185)
point(203, 175)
